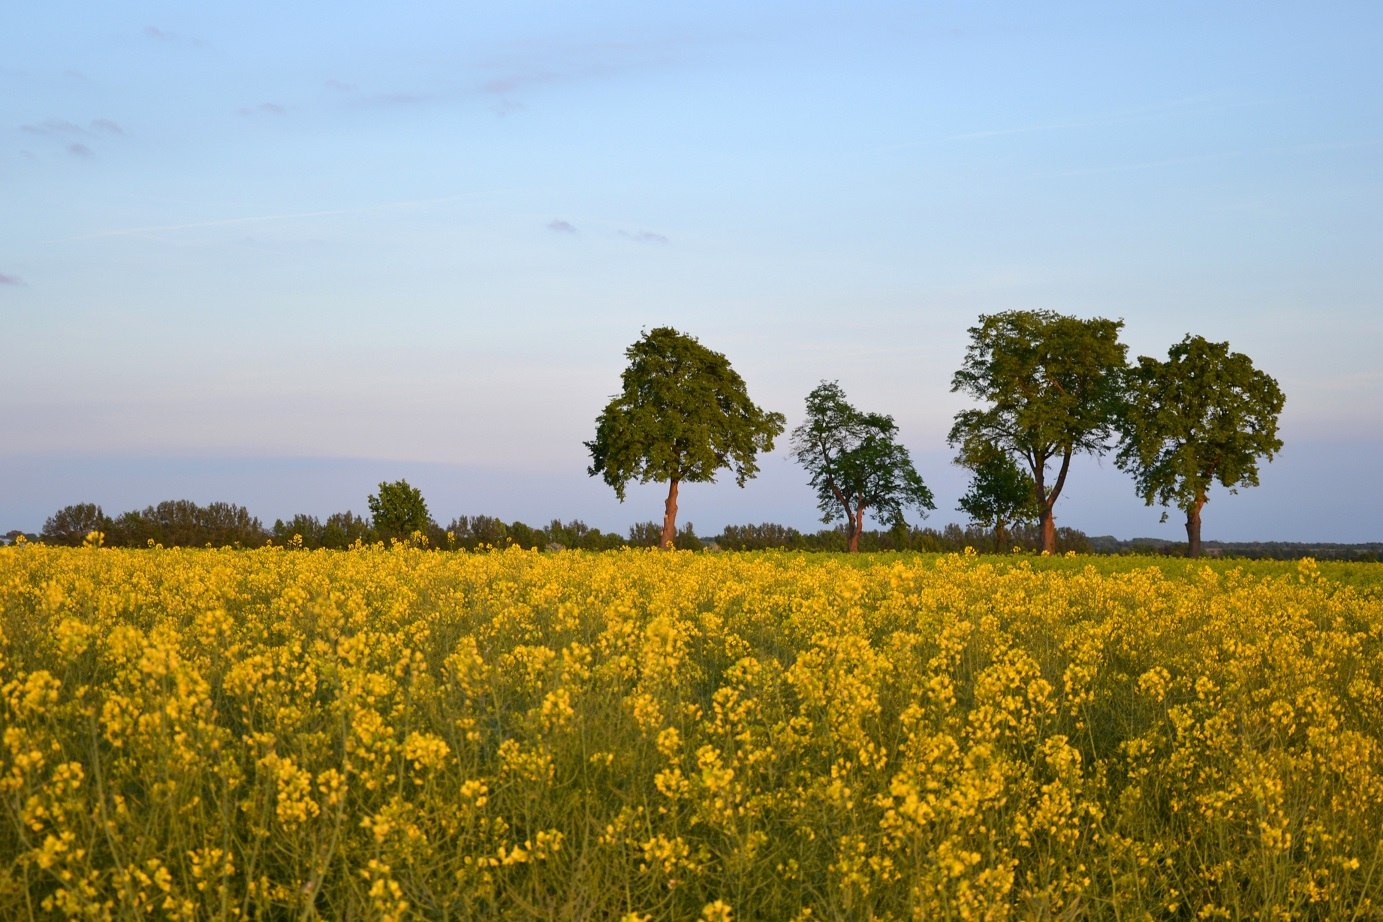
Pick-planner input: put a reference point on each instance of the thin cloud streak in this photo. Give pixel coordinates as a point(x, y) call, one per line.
point(1322, 147)
point(163, 36)
point(10, 279)
point(267, 108)
point(644, 236)
point(1176, 107)
point(268, 218)
point(225, 222)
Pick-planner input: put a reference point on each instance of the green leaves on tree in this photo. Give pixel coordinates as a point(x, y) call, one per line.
point(398, 510)
point(855, 463)
point(1204, 416)
point(683, 414)
point(1051, 384)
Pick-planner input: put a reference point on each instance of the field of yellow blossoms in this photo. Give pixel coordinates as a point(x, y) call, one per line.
point(400, 733)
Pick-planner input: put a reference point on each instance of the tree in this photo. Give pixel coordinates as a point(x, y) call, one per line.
point(71, 524)
point(683, 415)
point(1052, 383)
point(1204, 416)
point(855, 463)
point(1001, 494)
point(343, 529)
point(229, 525)
point(475, 532)
point(398, 510)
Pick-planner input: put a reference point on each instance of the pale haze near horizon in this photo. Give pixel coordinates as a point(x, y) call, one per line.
point(276, 254)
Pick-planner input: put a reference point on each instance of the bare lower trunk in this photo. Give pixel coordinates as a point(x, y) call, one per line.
point(1048, 531)
point(669, 537)
point(1193, 526)
point(856, 529)
point(1000, 536)
point(1046, 499)
point(1048, 503)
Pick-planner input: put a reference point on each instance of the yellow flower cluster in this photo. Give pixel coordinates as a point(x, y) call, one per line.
point(399, 733)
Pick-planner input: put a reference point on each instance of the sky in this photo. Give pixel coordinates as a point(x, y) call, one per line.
point(276, 254)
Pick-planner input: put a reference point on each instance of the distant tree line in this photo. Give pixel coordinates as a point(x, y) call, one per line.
point(182, 523)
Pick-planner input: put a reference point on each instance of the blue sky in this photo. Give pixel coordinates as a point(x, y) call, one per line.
point(274, 254)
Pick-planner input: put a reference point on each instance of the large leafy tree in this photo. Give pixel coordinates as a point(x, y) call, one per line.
point(1204, 416)
point(855, 463)
point(683, 415)
point(398, 510)
point(1001, 495)
point(1052, 388)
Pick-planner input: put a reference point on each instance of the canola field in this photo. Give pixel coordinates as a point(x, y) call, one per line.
point(392, 733)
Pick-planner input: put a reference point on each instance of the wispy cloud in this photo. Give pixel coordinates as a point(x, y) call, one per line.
point(1192, 105)
point(51, 127)
point(528, 67)
point(224, 222)
point(561, 227)
point(62, 130)
point(154, 33)
point(10, 279)
point(148, 230)
point(1309, 148)
point(264, 108)
point(644, 236)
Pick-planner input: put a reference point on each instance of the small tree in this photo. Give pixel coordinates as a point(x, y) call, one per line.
point(1051, 383)
point(1204, 416)
point(855, 463)
point(398, 510)
point(683, 415)
point(1001, 494)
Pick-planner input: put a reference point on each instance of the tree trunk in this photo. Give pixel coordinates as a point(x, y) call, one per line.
point(1193, 526)
point(856, 528)
point(1048, 522)
point(1049, 504)
point(1000, 536)
point(669, 537)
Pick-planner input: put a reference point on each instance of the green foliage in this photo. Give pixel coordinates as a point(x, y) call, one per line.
point(577, 535)
point(645, 534)
point(1052, 386)
point(1001, 494)
point(759, 536)
point(855, 463)
point(398, 510)
point(70, 525)
point(183, 523)
point(683, 415)
point(1204, 416)
point(473, 532)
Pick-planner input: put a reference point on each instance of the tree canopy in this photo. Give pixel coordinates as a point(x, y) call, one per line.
point(855, 463)
point(683, 414)
point(1204, 416)
point(71, 524)
point(398, 510)
point(1001, 495)
point(1052, 385)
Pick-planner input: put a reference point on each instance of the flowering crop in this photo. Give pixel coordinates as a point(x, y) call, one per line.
point(396, 733)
